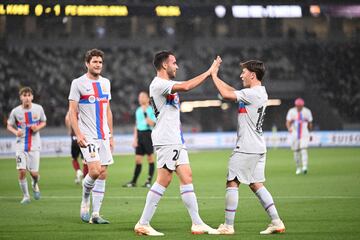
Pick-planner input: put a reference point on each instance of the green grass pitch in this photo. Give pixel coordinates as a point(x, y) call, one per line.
point(325, 204)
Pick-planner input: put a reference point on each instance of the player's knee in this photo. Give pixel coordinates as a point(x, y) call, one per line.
point(256, 186)
point(22, 174)
point(94, 173)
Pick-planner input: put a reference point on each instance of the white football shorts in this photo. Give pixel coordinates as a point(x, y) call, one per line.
point(247, 167)
point(28, 160)
point(171, 156)
point(98, 150)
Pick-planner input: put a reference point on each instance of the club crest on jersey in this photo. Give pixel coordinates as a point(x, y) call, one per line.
point(172, 99)
point(92, 99)
point(103, 88)
point(35, 116)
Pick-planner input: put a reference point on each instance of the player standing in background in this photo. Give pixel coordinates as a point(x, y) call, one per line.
point(169, 143)
point(145, 121)
point(75, 153)
point(25, 122)
point(91, 120)
point(299, 124)
point(247, 162)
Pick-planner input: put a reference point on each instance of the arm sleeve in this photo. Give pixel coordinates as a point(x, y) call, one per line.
point(109, 90)
point(243, 96)
point(165, 87)
point(42, 115)
point(288, 116)
point(310, 116)
point(74, 92)
point(12, 121)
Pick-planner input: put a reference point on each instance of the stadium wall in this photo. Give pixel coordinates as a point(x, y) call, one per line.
point(60, 145)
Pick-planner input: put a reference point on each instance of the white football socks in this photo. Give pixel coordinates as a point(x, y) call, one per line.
point(152, 199)
point(297, 158)
point(304, 158)
point(24, 187)
point(189, 199)
point(267, 202)
point(231, 203)
point(88, 185)
point(98, 195)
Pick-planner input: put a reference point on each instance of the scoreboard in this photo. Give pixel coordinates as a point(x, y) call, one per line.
point(82, 10)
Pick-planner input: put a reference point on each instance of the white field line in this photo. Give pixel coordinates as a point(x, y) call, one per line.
point(178, 197)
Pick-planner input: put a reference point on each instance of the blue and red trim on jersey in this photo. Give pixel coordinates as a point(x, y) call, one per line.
point(100, 100)
point(300, 125)
point(171, 99)
point(242, 108)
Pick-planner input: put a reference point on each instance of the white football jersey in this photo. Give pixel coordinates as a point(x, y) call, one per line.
point(93, 97)
point(299, 122)
point(251, 111)
point(24, 119)
point(167, 130)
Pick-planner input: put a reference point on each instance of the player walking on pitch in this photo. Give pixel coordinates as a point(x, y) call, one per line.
point(91, 120)
point(247, 162)
point(169, 143)
point(25, 122)
point(299, 124)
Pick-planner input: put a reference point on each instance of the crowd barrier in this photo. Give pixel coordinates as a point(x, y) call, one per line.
point(60, 145)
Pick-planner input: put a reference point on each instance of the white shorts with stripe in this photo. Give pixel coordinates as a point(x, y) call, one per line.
point(98, 150)
point(171, 156)
point(247, 167)
point(28, 160)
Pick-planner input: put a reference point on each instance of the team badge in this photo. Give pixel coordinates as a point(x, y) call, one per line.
point(92, 99)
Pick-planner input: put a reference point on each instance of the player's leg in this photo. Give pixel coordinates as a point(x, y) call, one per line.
point(21, 166)
point(75, 152)
point(150, 159)
point(295, 146)
point(34, 162)
point(153, 197)
point(138, 165)
point(98, 193)
point(149, 150)
point(92, 158)
point(240, 168)
point(188, 195)
point(304, 159)
point(165, 167)
point(231, 203)
point(265, 197)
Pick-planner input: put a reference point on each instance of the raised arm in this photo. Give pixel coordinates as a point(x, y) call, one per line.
point(196, 81)
point(225, 90)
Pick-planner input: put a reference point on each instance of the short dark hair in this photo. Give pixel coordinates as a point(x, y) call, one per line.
point(24, 90)
point(94, 53)
point(160, 57)
point(256, 66)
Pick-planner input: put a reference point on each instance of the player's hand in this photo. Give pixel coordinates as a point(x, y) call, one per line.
point(112, 145)
point(215, 70)
point(19, 133)
point(215, 65)
point(34, 128)
point(135, 143)
point(81, 140)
